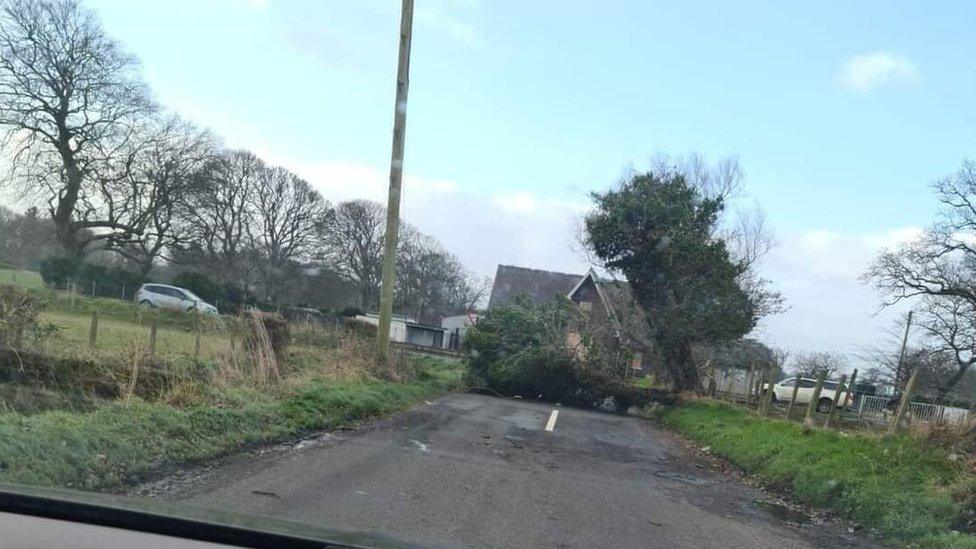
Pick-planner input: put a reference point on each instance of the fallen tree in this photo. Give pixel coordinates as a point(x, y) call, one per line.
point(522, 350)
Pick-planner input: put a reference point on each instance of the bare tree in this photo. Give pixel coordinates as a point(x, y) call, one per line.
point(354, 246)
point(939, 269)
point(220, 219)
point(70, 99)
point(159, 173)
point(889, 366)
point(432, 282)
point(25, 239)
point(290, 218)
point(723, 179)
point(811, 364)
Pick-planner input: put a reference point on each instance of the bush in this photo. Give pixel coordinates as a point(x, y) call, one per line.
point(227, 297)
point(18, 312)
point(522, 349)
point(351, 312)
point(359, 327)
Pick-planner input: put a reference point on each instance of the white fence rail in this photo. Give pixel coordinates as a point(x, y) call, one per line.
point(874, 409)
point(879, 410)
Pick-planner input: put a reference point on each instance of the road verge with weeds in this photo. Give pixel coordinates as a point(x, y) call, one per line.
point(907, 488)
point(117, 443)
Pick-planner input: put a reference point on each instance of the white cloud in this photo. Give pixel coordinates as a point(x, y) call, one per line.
point(818, 272)
point(443, 16)
point(866, 71)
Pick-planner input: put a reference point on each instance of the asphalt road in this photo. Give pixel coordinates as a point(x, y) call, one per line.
point(476, 471)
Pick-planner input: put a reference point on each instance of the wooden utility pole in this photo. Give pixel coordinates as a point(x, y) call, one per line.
point(396, 178)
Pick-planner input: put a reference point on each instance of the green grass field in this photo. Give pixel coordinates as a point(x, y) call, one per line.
point(28, 279)
point(899, 485)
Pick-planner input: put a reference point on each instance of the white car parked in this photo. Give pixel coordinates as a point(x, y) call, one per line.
point(783, 392)
point(171, 297)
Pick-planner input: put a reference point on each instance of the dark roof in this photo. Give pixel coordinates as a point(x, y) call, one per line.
point(540, 286)
point(425, 326)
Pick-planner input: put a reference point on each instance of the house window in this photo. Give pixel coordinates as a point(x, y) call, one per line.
point(586, 306)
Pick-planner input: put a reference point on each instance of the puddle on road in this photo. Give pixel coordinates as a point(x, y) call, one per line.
point(783, 512)
point(681, 477)
point(525, 419)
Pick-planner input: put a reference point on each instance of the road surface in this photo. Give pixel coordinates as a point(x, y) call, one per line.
point(476, 471)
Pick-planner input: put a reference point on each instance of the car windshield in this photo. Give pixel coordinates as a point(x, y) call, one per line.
point(617, 252)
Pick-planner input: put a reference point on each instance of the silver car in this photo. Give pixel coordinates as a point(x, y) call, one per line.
point(163, 296)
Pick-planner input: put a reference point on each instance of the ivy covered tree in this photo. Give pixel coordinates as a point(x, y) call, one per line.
point(663, 235)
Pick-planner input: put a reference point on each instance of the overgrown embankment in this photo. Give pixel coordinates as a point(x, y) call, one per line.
point(95, 408)
point(908, 488)
point(116, 443)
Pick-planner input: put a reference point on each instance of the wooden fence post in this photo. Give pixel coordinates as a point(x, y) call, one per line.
point(769, 393)
point(757, 390)
point(752, 373)
point(196, 343)
point(906, 398)
point(152, 336)
point(833, 408)
point(796, 387)
point(814, 400)
point(764, 397)
point(730, 386)
point(851, 389)
point(93, 334)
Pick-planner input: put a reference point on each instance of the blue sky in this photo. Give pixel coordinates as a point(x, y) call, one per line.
point(841, 113)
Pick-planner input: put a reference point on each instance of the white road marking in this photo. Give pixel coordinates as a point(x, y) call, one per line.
point(420, 445)
point(552, 420)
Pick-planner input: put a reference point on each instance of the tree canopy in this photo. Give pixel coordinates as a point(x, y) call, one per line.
point(660, 232)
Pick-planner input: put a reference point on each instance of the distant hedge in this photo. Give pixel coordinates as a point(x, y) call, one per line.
point(89, 278)
point(226, 297)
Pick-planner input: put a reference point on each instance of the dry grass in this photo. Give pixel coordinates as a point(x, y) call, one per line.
point(233, 353)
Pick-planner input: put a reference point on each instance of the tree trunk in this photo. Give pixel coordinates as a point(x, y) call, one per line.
point(681, 366)
point(68, 199)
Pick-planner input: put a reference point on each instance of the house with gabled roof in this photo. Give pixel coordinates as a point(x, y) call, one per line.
point(608, 305)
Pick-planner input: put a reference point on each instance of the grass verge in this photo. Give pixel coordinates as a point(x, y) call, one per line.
point(898, 485)
point(28, 279)
point(117, 443)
